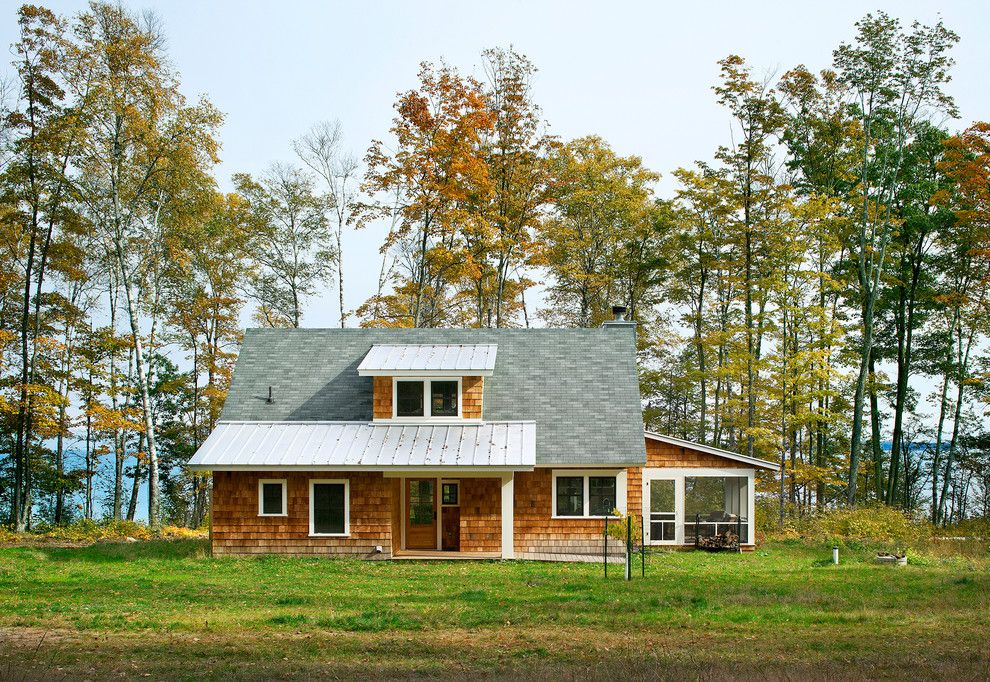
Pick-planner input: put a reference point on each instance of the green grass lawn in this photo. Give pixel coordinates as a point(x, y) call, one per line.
point(164, 609)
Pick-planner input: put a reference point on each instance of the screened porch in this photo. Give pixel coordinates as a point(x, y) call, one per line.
point(689, 507)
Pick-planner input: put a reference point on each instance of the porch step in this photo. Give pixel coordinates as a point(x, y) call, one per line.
point(435, 555)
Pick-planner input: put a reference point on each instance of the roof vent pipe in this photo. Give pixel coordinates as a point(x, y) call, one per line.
point(619, 313)
point(271, 398)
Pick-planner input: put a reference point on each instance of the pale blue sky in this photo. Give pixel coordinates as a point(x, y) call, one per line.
point(638, 74)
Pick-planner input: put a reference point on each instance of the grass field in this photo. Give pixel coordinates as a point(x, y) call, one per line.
point(166, 610)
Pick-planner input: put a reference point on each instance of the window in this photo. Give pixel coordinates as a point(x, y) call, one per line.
point(329, 507)
point(601, 495)
point(448, 495)
point(443, 402)
point(570, 496)
point(588, 493)
point(427, 398)
point(272, 497)
point(409, 399)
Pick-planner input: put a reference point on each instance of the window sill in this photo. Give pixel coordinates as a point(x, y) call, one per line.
point(276, 515)
point(329, 535)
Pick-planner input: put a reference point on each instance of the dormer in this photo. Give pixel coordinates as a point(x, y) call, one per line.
point(437, 383)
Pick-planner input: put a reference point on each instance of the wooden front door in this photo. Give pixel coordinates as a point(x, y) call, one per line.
point(421, 513)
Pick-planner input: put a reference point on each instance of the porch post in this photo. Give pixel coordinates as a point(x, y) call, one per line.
point(508, 502)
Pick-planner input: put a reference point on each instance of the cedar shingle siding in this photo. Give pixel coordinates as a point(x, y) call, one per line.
point(237, 528)
point(660, 454)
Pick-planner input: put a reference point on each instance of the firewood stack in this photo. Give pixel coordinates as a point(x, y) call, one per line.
point(724, 540)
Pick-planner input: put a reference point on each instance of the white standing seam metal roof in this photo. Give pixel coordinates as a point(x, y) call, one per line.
point(447, 357)
point(240, 445)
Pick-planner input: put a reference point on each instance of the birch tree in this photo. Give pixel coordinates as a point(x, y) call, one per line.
point(321, 149)
point(141, 136)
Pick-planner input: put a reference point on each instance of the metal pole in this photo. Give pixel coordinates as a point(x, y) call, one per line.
point(642, 546)
point(605, 545)
point(628, 548)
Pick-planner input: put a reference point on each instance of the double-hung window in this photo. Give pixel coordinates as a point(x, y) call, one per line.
point(588, 494)
point(329, 507)
point(427, 398)
point(272, 497)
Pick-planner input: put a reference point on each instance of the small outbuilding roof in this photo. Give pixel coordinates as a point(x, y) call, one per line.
point(361, 445)
point(718, 452)
point(435, 358)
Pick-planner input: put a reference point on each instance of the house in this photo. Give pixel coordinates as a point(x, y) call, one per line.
point(386, 443)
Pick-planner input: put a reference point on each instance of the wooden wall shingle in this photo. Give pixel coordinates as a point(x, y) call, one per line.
point(237, 528)
point(481, 514)
point(659, 454)
point(472, 392)
point(382, 397)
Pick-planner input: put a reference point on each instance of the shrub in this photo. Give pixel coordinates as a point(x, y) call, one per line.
point(183, 533)
point(617, 528)
point(89, 531)
point(873, 524)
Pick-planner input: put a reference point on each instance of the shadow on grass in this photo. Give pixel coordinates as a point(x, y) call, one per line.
point(130, 551)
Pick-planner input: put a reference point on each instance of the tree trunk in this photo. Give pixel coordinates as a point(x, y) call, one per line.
point(149, 423)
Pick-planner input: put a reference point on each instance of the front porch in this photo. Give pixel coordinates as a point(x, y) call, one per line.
point(446, 515)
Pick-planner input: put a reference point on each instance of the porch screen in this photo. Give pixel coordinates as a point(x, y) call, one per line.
point(328, 508)
point(662, 510)
point(714, 505)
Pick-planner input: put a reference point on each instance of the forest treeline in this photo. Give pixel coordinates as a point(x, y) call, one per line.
point(813, 292)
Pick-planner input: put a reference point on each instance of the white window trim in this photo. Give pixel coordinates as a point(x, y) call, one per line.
point(427, 402)
point(678, 474)
point(347, 508)
point(620, 490)
point(678, 509)
point(261, 496)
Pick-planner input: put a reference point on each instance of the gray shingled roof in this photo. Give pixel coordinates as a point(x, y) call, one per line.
point(579, 385)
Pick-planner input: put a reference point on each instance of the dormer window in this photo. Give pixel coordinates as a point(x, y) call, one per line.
point(409, 399)
point(427, 398)
point(443, 398)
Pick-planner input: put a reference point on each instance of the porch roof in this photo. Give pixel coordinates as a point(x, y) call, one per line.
point(504, 445)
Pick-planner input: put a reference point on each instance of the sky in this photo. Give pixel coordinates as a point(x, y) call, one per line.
point(640, 75)
point(637, 74)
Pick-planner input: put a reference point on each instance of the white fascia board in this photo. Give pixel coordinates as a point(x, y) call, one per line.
point(425, 373)
point(388, 471)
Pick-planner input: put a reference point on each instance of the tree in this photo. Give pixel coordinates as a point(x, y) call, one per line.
point(515, 151)
point(48, 136)
point(289, 243)
point(894, 79)
point(966, 292)
point(142, 142)
point(603, 208)
point(432, 179)
point(320, 149)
